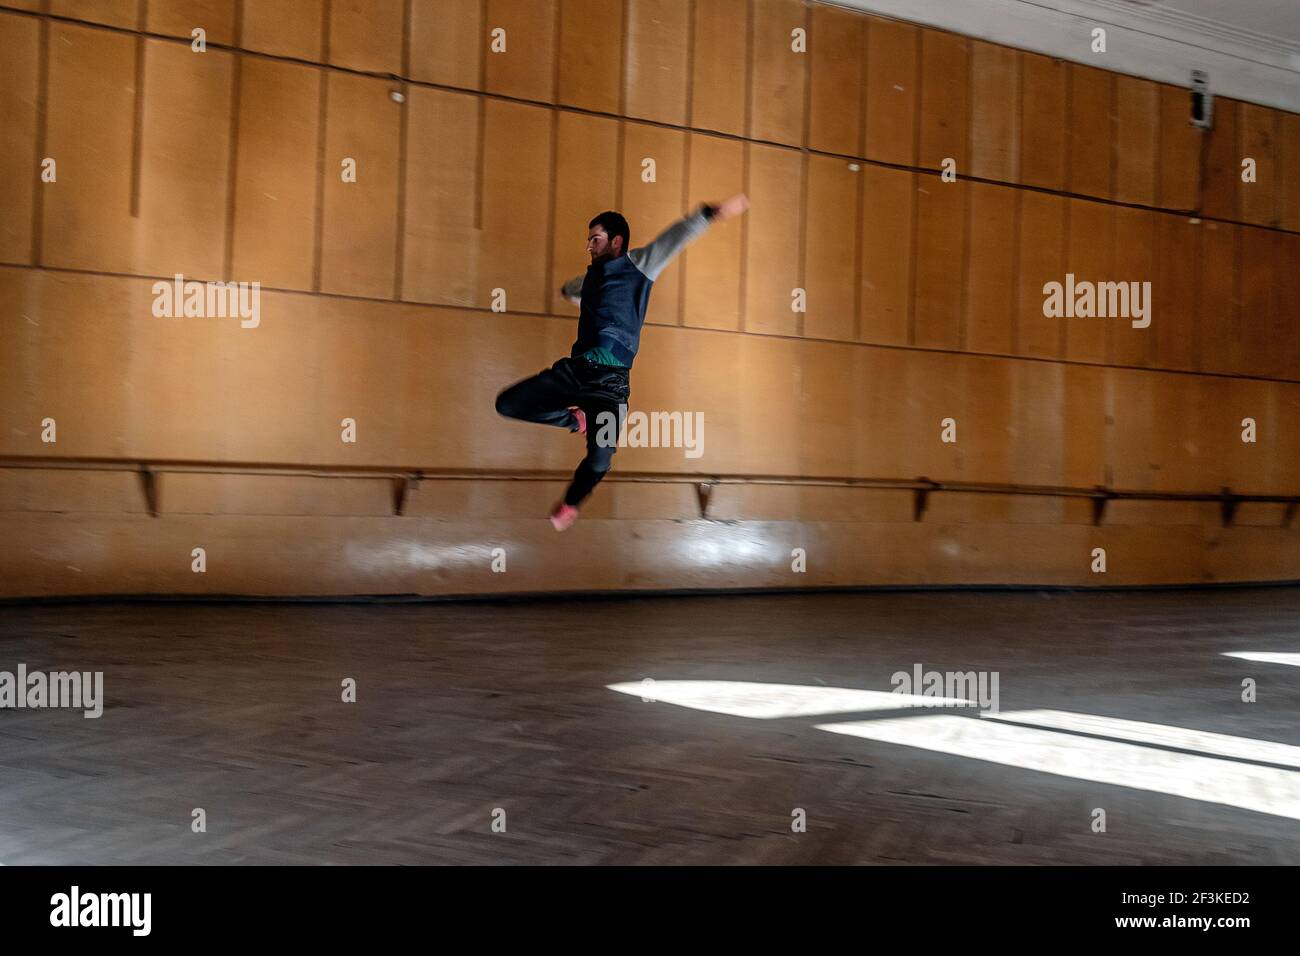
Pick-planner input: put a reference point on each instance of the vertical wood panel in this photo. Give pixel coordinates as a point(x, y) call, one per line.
point(1157, 438)
point(828, 416)
point(1222, 163)
point(839, 43)
point(1137, 116)
point(1173, 292)
point(945, 93)
point(831, 252)
point(1288, 351)
point(17, 400)
point(772, 245)
point(516, 205)
point(526, 68)
point(893, 55)
point(986, 416)
point(887, 206)
point(936, 387)
point(1037, 438)
point(1130, 455)
point(1042, 222)
point(652, 206)
point(1245, 466)
point(363, 355)
point(1179, 169)
point(367, 34)
point(1187, 459)
point(585, 185)
point(1290, 171)
point(359, 234)
point(1090, 131)
point(1258, 132)
point(1218, 303)
point(839, 432)
point(778, 74)
point(1084, 422)
point(886, 434)
point(184, 172)
point(1135, 239)
point(1262, 329)
point(20, 52)
point(658, 59)
point(278, 368)
point(711, 266)
point(991, 293)
point(284, 27)
point(591, 54)
point(1042, 143)
point(995, 112)
point(275, 185)
point(1088, 257)
point(940, 261)
point(447, 42)
point(719, 65)
point(65, 356)
point(87, 213)
point(441, 247)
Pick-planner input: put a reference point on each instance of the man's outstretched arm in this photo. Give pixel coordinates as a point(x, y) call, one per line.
point(654, 257)
point(572, 290)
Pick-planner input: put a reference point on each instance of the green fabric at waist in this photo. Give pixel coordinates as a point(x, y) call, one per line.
point(602, 356)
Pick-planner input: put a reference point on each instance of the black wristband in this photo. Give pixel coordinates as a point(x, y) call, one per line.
point(709, 212)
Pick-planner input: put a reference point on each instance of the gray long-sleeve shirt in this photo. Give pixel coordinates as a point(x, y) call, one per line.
point(615, 293)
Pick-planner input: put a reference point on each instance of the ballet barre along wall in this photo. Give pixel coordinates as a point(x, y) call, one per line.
point(409, 181)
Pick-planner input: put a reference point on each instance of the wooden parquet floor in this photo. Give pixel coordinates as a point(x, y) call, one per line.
point(465, 708)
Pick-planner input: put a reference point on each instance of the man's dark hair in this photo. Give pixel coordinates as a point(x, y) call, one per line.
point(614, 225)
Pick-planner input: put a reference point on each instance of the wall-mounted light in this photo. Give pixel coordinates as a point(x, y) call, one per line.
point(1202, 100)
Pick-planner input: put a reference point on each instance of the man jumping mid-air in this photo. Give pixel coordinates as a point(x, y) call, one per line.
point(613, 296)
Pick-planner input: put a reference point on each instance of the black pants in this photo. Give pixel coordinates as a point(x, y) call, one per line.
point(599, 390)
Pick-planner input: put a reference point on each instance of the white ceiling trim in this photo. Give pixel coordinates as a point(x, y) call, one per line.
point(1146, 40)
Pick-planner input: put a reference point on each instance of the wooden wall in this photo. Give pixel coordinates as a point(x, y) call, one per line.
point(923, 297)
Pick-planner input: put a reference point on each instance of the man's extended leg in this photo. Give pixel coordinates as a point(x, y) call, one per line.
point(604, 400)
point(604, 425)
point(544, 398)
